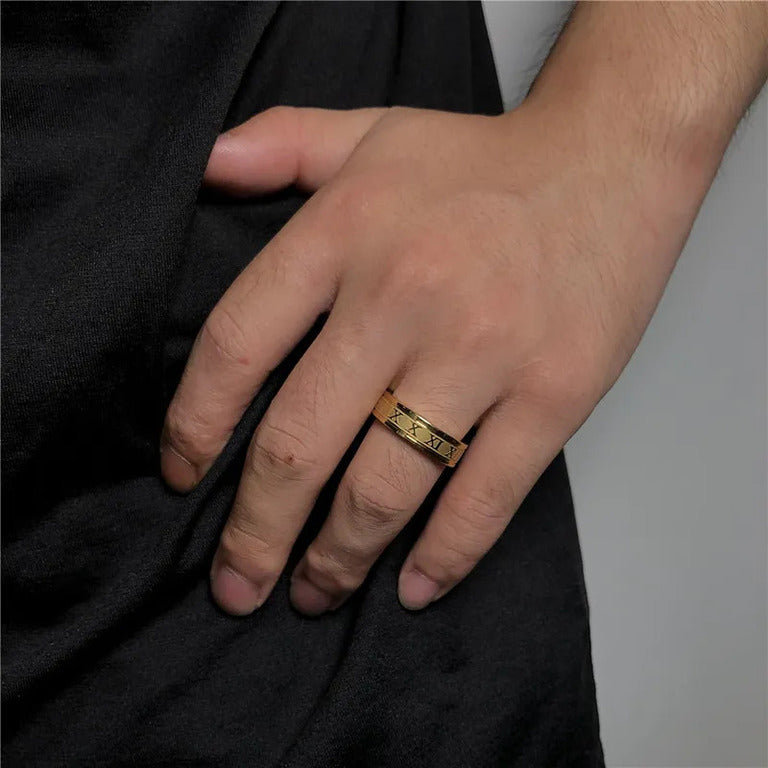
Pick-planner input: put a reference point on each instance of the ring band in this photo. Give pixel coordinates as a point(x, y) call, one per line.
point(417, 430)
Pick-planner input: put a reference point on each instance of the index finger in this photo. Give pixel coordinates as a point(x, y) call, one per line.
point(259, 319)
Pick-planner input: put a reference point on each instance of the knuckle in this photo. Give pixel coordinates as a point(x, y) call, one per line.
point(227, 337)
point(330, 572)
point(422, 276)
point(477, 512)
point(473, 522)
point(188, 434)
point(279, 452)
point(480, 333)
point(452, 557)
point(243, 543)
point(374, 501)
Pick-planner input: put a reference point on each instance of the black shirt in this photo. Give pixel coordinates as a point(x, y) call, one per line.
point(114, 652)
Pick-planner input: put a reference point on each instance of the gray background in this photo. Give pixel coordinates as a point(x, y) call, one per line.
point(669, 474)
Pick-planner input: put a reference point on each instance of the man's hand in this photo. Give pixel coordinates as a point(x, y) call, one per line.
point(496, 271)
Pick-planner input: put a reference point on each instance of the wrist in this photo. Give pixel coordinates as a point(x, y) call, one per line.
point(650, 94)
point(649, 191)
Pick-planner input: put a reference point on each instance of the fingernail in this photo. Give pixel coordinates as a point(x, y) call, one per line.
point(179, 471)
point(233, 591)
point(308, 598)
point(416, 590)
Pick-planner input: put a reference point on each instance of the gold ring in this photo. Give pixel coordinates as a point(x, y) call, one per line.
point(417, 430)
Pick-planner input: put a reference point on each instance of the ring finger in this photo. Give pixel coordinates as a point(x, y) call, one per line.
point(383, 487)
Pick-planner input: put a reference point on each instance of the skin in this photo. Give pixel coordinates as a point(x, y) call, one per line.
point(497, 271)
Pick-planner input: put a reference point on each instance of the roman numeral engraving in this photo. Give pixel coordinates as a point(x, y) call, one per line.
point(389, 412)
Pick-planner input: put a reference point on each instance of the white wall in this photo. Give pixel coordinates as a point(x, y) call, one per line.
point(669, 475)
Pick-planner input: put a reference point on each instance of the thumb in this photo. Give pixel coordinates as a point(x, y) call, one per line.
point(286, 145)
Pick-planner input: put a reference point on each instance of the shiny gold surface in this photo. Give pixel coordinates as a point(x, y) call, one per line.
point(417, 430)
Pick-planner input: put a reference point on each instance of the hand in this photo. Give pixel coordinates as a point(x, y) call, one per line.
point(496, 271)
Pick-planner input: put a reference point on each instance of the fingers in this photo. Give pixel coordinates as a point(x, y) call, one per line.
point(510, 450)
point(309, 425)
point(384, 485)
point(278, 296)
point(286, 145)
point(260, 318)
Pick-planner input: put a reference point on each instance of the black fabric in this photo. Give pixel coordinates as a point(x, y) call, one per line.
point(114, 653)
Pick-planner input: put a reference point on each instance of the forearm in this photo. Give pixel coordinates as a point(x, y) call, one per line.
point(661, 85)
